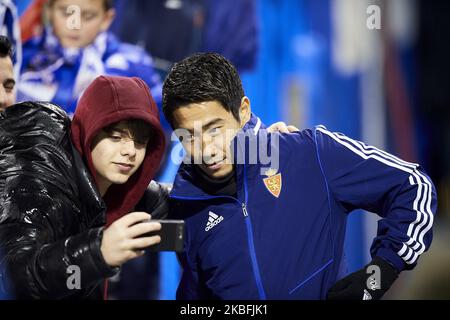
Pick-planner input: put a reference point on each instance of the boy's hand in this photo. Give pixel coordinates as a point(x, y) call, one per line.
point(282, 128)
point(120, 241)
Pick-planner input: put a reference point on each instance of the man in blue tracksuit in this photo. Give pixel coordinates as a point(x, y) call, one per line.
point(258, 229)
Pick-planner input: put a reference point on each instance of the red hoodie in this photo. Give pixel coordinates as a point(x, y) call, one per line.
point(106, 101)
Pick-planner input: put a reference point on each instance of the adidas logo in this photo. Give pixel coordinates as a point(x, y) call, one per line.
point(367, 295)
point(213, 220)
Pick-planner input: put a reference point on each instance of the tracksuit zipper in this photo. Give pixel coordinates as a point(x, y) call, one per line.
point(244, 210)
point(250, 241)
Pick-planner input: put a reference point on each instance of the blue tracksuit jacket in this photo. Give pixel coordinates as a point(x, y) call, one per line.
point(283, 239)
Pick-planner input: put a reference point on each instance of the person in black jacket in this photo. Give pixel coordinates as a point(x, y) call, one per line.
point(73, 193)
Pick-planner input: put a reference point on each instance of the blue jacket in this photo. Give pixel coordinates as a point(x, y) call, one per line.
point(283, 238)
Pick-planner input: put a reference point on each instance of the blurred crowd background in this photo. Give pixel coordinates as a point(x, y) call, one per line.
point(376, 70)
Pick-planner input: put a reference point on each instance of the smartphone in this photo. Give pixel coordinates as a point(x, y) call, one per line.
point(171, 233)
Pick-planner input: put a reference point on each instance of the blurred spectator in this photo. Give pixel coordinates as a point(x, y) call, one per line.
point(231, 29)
point(73, 49)
point(31, 20)
point(225, 27)
point(9, 27)
point(7, 81)
point(169, 30)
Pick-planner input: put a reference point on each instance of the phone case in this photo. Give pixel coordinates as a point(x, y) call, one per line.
point(172, 236)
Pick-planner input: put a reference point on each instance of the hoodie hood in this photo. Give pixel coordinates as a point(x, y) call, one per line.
point(108, 100)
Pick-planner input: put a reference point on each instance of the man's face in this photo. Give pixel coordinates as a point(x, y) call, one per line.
point(91, 16)
point(116, 156)
point(7, 83)
point(210, 143)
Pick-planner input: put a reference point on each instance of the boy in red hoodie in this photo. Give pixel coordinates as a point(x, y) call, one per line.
point(122, 155)
point(62, 182)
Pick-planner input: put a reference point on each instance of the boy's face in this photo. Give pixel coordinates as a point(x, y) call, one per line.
point(208, 131)
point(79, 28)
point(7, 83)
point(116, 156)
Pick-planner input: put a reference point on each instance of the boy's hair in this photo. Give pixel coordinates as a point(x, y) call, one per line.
point(107, 4)
point(199, 78)
point(5, 47)
point(140, 130)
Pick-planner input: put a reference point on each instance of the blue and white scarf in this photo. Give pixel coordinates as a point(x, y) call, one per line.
point(60, 75)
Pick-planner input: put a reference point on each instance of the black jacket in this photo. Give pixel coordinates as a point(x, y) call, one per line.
point(51, 214)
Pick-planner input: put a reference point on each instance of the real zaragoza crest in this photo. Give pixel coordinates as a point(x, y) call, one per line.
point(273, 182)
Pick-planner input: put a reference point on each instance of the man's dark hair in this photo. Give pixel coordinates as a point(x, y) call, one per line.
point(5, 47)
point(199, 78)
point(107, 4)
